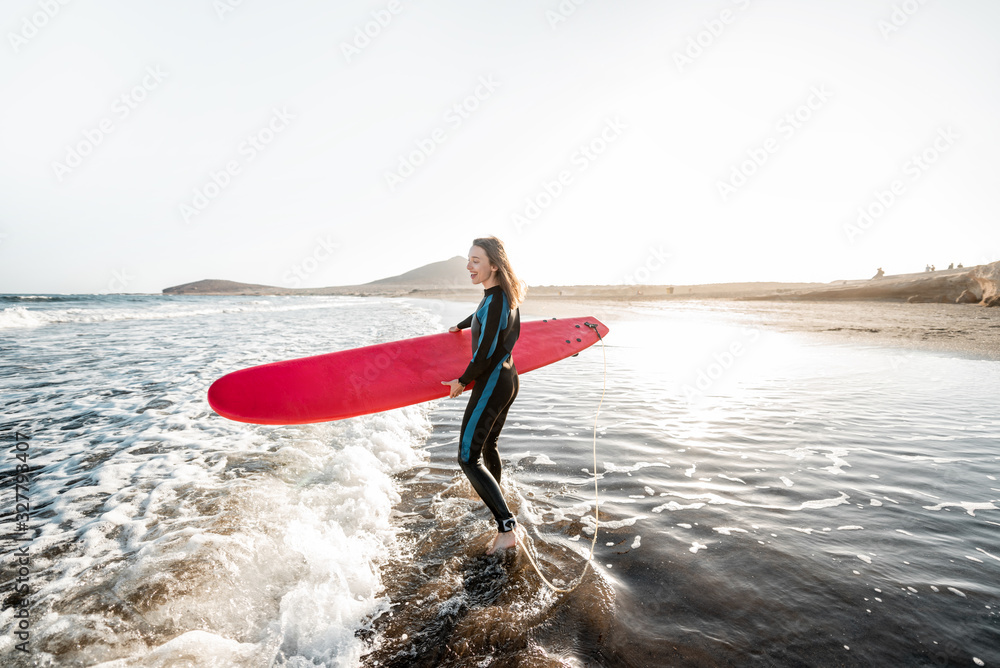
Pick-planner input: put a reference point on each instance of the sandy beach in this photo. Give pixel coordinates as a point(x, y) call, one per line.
point(969, 330)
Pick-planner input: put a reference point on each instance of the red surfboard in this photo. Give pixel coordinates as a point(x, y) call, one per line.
point(378, 378)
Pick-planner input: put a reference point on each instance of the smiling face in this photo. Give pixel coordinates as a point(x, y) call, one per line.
point(480, 269)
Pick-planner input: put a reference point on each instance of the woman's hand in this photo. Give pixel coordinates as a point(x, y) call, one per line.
point(456, 387)
point(454, 329)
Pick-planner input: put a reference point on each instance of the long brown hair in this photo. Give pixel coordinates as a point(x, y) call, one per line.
point(512, 286)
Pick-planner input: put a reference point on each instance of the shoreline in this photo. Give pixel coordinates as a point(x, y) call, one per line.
point(943, 328)
point(963, 285)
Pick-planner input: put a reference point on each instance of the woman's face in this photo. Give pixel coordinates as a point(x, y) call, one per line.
point(479, 266)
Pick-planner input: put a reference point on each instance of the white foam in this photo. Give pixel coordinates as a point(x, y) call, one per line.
point(825, 503)
point(21, 316)
point(611, 467)
point(196, 648)
point(991, 556)
point(18, 316)
point(969, 506)
point(837, 456)
point(274, 535)
point(540, 459)
point(725, 477)
point(673, 505)
point(715, 499)
point(588, 522)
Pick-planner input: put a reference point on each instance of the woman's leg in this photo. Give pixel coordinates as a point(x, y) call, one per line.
point(491, 453)
point(485, 407)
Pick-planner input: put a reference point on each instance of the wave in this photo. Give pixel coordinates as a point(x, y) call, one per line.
point(21, 316)
point(20, 298)
point(48, 299)
point(279, 547)
point(18, 316)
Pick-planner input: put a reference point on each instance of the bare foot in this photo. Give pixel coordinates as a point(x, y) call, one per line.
point(502, 541)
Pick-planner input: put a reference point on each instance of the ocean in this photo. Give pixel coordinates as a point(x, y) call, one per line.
point(767, 497)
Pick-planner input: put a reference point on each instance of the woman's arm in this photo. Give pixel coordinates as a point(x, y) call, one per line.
point(489, 315)
point(465, 324)
point(456, 387)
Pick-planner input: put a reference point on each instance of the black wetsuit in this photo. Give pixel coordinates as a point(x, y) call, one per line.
point(495, 328)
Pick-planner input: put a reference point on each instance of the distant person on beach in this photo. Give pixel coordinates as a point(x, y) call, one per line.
point(951, 266)
point(878, 274)
point(960, 266)
point(495, 324)
point(927, 268)
point(933, 268)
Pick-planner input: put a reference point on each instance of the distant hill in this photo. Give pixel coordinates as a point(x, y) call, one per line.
point(446, 275)
point(213, 286)
point(443, 274)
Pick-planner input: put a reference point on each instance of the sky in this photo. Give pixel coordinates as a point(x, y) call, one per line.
point(308, 143)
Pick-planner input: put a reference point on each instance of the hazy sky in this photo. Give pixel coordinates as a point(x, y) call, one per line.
point(145, 144)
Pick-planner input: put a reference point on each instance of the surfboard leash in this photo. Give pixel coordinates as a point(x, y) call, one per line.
point(597, 501)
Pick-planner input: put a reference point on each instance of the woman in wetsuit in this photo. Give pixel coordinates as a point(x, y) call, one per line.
point(495, 327)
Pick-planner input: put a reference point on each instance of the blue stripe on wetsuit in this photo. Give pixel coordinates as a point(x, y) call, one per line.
point(504, 322)
point(481, 316)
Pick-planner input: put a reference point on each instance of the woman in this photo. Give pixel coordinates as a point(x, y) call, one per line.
point(495, 327)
